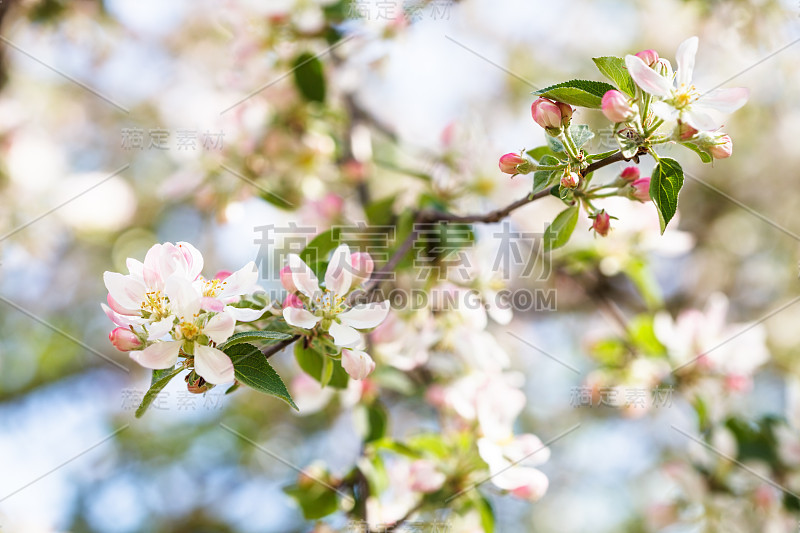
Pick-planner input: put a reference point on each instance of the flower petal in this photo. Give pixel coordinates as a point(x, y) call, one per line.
point(244, 314)
point(220, 327)
point(159, 355)
point(300, 318)
point(213, 365)
point(151, 269)
point(135, 268)
point(357, 364)
point(365, 316)
point(664, 111)
point(304, 278)
point(160, 328)
point(699, 119)
point(120, 319)
point(183, 298)
point(685, 59)
point(192, 258)
point(648, 79)
point(339, 275)
point(724, 100)
point(344, 336)
point(126, 291)
point(208, 303)
point(243, 281)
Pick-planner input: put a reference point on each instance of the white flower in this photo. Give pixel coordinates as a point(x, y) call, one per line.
point(329, 305)
point(357, 364)
point(223, 290)
point(186, 325)
point(681, 99)
point(511, 464)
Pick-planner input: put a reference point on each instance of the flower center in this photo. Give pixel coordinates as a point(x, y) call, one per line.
point(684, 96)
point(155, 304)
point(213, 287)
point(329, 304)
point(189, 330)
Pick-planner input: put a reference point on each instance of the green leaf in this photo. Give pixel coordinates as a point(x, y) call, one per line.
point(379, 212)
point(581, 134)
point(309, 77)
point(316, 500)
point(584, 93)
point(484, 508)
point(252, 369)
point(253, 336)
point(627, 145)
point(540, 152)
point(543, 179)
point(371, 421)
point(158, 382)
point(665, 184)
point(601, 155)
point(321, 245)
point(614, 69)
point(554, 144)
point(558, 233)
point(312, 363)
point(705, 157)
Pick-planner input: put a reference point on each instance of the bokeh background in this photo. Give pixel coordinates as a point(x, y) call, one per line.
point(446, 92)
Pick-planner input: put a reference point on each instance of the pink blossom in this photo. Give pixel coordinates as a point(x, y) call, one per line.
point(124, 339)
point(649, 57)
point(640, 189)
point(362, 267)
point(602, 223)
point(546, 113)
point(617, 107)
point(357, 364)
point(630, 173)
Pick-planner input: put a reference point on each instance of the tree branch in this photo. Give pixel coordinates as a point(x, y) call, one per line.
point(610, 160)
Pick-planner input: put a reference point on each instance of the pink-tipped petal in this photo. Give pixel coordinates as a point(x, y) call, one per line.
point(724, 100)
point(213, 365)
point(300, 318)
point(127, 291)
point(303, 277)
point(158, 355)
point(646, 78)
point(193, 259)
point(207, 303)
point(243, 281)
point(365, 316)
point(338, 276)
point(357, 364)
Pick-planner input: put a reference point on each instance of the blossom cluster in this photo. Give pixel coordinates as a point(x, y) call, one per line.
point(165, 309)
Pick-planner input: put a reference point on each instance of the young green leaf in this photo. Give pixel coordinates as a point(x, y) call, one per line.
point(543, 179)
point(158, 381)
point(252, 369)
point(253, 336)
point(614, 69)
point(539, 152)
point(665, 184)
point(312, 363)
point(584, 93)
point(316, 500)
point(705, 157)
point(554, 144)
point(581, 134)
point(558, 233)
point(321, 245)
point(309, 77)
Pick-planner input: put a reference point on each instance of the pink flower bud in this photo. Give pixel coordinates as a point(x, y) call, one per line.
point(362, 267)
point(650, 57)
point(357, 364)
point(293, 300)
point(124, 339)
point(616, 107)
point(286, 279)
point(602, 223)
point(630, 173)
point(509, 163)
point(640, 190)
point(686, 132)
point(546, 113)
point(570, 180)
point(723, 147)
point(566, 112)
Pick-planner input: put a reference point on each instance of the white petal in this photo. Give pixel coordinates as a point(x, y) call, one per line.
point(664, 111)
point(365, 316)
point(220, 327)
point(699, 119)
point(244, 314)
point(151, 269)
point(183, 298)
point(136, 268)
point(208, 303)
point(724, 100)
point(685, 59)
point(213, 365)
point(243, 281)
point(648, 79)
point(160, 328)
point(357, 364)
point(193, 259)
point(339, 275)
point(120, 319)
point(158, 355)
point(344, 336)
point(300, 318)
point(127, 291)
point(304, 278)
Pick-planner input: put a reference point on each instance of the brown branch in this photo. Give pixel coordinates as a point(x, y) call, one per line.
point(275, 348)
point(610, 160)
point(497, 215)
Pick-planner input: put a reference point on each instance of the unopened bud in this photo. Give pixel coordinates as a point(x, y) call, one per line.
point(566, 113)
point(287, 280)
point(570, 180)
point(124, 339)
point(630, 173)
point(602, 223)
point(720, 146)
point(362, 267)
point(197, 385)
point(546, 113)
point(514, 164)
point(650, 57)
point(616, 107)
point(640, 190)
point(292, 300)
point(686, 132)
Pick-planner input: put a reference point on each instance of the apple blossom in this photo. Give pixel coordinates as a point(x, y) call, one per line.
point(680, 100)
point(512, 163)
point(630, 173)
point(640, 190)
point(362, 267)
point(719, 145)
point(357, 364)
point(602, 223)
point(286, 279)
point(649, 57)
point(570, 180)
point(425, 477)
point(124, 339)
point(617, 107)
